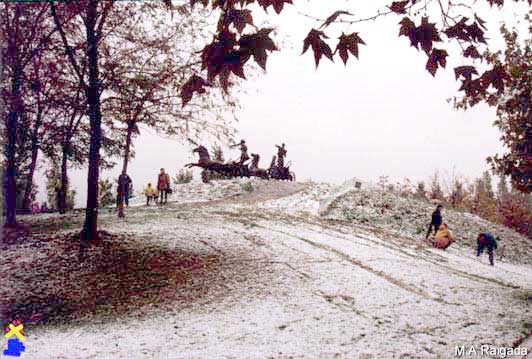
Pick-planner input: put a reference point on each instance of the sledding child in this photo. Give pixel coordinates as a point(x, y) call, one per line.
point(151, 194)
point(486, 240)
point(443, 237)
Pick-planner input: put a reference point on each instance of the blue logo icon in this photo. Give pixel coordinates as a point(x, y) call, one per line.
point(14, 347)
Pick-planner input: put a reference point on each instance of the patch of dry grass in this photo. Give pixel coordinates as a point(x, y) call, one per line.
point(117, 275)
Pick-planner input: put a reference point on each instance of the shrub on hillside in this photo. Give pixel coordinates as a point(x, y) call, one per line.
point(218, 156)
point(421, 193)
point(183, 176)
point(106, 196)
point(515, 211)
point(247, 187)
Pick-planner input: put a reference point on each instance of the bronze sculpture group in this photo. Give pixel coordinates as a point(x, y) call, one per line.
point(277, 169)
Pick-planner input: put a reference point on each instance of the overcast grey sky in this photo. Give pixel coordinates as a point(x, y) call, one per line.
point(381, 115)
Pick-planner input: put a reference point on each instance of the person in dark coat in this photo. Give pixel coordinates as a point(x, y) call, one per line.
point(436, 220)
point(486, 240)
point(124, 185)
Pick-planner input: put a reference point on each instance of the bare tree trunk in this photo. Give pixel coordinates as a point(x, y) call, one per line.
point(64, 179)
point(10, 180)
point(12, 125)
point(130, 128)
point(122, 191)
point(90, 226)
point(29, 181)
point(34, 153)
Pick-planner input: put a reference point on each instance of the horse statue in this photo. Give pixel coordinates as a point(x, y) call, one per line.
point(254, 169)
point(204, 158)
point(227, 169)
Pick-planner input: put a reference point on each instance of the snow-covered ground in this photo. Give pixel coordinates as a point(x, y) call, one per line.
point(289, 283)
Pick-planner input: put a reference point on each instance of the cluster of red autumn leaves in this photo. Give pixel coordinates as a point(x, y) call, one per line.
point(231, 49)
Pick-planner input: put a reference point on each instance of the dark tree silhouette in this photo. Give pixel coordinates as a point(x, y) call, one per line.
point(26, 32)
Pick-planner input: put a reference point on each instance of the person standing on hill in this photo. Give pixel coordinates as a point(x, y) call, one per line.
point(436, 220)
point(486, 240)
point(163, 185)
point(123, 188)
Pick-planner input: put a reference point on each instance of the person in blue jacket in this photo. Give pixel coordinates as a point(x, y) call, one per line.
point(486, 240)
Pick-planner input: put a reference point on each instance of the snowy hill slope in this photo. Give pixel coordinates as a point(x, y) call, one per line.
point(410, 217)
point(283, 281)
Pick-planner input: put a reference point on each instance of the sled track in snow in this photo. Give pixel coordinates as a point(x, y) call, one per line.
point(338, 253)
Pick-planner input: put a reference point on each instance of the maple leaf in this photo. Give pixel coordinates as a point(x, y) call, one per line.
point(426, 33)
point(466, 71)
point(408, 28)
point(194, 84)
point(472, 51)
point(333, 18)
point(257, 45)
point(496, 77)
point(320, 47)
point(213, 55)
point(458, 30)
point(239, 18)
point(476, 33)
point(399, 6)
point(440, 56)
point(437, 57)
point(472, 88)
point(278, 5)
point(462, 31)
point(348, 43)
